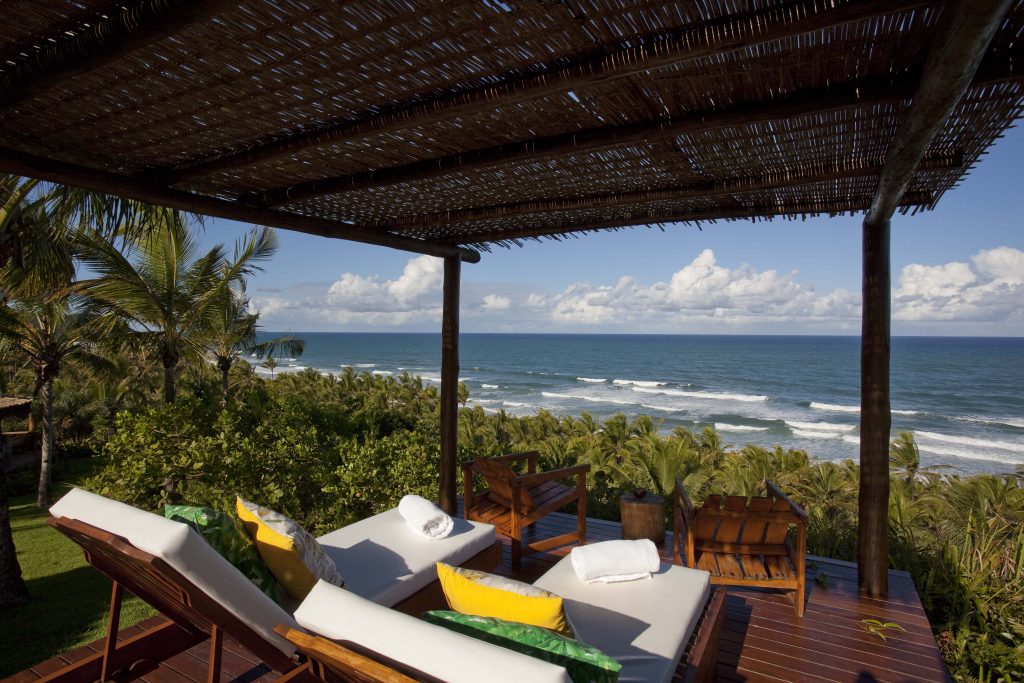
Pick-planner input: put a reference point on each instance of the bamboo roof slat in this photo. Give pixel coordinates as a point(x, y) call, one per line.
point(427, 126)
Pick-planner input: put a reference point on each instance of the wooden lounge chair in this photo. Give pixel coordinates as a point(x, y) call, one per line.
point(513, 503)
point(646, 625)
point(744, 543)
point(202, 595)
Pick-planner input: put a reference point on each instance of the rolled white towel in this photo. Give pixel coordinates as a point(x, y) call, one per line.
point(425, 518)
point(612, 561)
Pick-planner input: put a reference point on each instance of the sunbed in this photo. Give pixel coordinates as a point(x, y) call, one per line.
point(645, 625)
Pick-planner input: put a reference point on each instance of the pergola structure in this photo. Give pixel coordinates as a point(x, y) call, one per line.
point(445, 128)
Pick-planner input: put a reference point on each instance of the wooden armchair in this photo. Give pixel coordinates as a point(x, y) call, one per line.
point(741, 543)
point(513, 502)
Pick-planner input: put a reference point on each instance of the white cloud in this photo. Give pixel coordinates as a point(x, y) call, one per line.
point(984, 294)
point(988, 290)
point(496, 302)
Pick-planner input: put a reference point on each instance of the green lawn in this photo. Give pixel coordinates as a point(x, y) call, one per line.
point(69, 599)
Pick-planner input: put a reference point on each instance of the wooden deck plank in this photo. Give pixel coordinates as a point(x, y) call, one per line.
point(762, 640)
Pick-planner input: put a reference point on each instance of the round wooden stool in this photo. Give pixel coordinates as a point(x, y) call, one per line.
point(643, 517)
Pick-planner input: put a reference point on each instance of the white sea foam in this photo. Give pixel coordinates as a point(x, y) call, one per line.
point(382, 373)
point(587, 397)
point(850, 438)
point(969, 453)
point(1007, 421)
point(638, 382)
point(592, 380)
point(430, 378)
point(664, 409)
point(745, 398)
point(484, 400)
point(725, 427)
point(987, 444)
point(812, 434)
point(358, 365)
point(489, 386)
point(855, 409)
point(821, 426)
point(834, 408)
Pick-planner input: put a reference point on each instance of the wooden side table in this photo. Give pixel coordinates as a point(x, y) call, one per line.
point(643, 517)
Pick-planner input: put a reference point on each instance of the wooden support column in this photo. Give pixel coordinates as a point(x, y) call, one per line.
point(449, 382)
point(962, 37)
point(875, 416)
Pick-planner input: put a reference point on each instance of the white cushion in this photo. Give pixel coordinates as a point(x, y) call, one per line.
point(187, 552)
point(433, 650)
point(644, 624)
point(383, 560)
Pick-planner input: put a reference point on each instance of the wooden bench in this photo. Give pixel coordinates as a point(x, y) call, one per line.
point(743, 542)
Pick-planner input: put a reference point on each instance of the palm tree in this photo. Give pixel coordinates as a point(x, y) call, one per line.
point(168, 291)
point(48, 333)
point(234, 330)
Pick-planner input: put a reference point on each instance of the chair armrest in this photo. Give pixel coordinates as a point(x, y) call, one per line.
point(539, 477)
point(776, 492)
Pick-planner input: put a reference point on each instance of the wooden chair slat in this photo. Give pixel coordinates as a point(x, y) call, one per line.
point(729, 530)
point(753, 529)
point(753, 566)
point(728, 566)
point(777, 532)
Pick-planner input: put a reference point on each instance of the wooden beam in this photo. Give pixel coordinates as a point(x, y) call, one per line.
point(652, 218)
point(966, 28)
point(965, 31)
point(598, 66)
point(23, 164)
point(705, 189)
point(804, 103)
point(142, 23)
point(449, 383)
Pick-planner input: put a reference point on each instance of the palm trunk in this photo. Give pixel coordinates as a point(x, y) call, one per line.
point(170, 391)
point(13, 590)
point(46, 461)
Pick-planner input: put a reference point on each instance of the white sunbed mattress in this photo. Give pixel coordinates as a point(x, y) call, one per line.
point(385, 561)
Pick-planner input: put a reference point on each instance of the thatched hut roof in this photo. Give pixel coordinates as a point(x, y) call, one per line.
point(488, 121)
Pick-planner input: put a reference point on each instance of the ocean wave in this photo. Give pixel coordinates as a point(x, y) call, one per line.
point(1002, 421)
point(968, 453)
point(849, 438)
point(639, 382)
point(587, 397)
point(664, 409)
point(744, 398)
point(489, 386)
point(834, 407)
point(725, 427)
point(811, 434)
point(855, 409)
point(968, 441)
point(430, 378)
point(382, 373)
point(358, 365)
point(821, 426)
point(485, 400)
point(592, 380)
point(518, 404)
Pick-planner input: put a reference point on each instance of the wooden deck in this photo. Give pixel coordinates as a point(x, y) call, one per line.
point(762, 638)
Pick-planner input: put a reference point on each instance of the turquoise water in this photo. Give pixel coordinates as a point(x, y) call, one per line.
point(962, 397)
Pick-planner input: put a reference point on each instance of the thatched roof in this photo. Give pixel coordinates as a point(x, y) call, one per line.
point(482, 122)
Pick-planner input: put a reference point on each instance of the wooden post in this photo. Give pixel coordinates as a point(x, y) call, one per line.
point(449, 382)
point(875, 417)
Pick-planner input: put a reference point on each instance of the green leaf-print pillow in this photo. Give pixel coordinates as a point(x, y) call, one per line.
point(227, 536)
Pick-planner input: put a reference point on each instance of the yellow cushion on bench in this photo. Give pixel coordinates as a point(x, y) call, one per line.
point(470, 591)
point(293, 556)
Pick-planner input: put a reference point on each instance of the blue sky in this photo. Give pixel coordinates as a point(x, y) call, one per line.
point(956, 271)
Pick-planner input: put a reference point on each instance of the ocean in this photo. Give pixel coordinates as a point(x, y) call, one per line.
point(962, 397)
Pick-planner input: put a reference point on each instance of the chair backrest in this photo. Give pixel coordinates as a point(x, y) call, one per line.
point(499, 478)
point(154, 581)
point(746, 521)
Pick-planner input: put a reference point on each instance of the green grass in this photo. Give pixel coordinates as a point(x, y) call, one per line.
point(69, 599)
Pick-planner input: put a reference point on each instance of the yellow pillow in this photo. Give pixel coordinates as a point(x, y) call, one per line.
point(292, 555)
point(485, 595)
